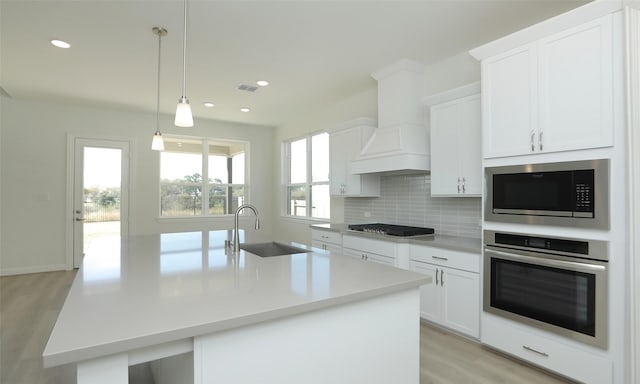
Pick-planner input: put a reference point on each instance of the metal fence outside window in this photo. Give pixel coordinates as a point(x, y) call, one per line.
point(96, 213)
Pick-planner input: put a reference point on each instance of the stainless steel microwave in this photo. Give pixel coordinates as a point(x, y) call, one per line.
point(572, 193)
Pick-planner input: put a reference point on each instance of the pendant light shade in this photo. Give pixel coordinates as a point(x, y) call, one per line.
point(158, 144)
point(184, 118)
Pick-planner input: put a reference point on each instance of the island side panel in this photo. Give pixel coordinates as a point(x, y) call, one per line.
point(371, 341)
point(113, 369)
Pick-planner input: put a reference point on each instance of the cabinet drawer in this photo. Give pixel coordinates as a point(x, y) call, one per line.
point(446, 258)
point(551, 354)
point(368, 256)
point(326, 236)
point(385, 248)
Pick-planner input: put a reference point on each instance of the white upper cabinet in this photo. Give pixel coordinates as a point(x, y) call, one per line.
point(455, 145)
point(344, 147)
point(576, 87)
point(509, 93)
point(555, 94)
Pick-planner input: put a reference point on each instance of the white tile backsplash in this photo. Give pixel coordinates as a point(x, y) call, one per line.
point(406, 200)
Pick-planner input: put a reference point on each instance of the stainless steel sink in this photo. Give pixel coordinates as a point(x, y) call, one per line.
point(272, 248)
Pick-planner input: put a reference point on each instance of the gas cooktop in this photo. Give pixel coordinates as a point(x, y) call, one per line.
point(391, 229)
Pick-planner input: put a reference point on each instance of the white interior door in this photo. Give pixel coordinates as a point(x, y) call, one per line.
point(100, 195)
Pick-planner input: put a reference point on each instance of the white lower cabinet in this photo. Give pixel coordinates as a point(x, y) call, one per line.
point(327, 240)
point(452, 299)
point(379, 251)
point(368, 256)
point(558, 356)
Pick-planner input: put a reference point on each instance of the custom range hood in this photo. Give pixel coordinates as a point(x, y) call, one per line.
point(400, 144)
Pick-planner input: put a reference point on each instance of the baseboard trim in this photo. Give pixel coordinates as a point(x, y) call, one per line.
point(35, 269)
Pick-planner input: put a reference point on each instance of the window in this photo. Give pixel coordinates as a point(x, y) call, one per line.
point(183, 189)
point(306, 177)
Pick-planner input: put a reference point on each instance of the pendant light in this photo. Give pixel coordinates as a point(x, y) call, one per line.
point(158, 143)
point(184, 118)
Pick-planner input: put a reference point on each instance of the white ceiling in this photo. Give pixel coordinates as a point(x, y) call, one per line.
point(312, 52)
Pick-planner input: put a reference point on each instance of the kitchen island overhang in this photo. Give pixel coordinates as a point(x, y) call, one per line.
point(165, 292)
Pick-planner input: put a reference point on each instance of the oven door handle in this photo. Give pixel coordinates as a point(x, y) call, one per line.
point(546, 260)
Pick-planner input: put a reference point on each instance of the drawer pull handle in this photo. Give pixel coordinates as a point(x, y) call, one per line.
point(436, 276)
point(439, 258)
point(535, 351)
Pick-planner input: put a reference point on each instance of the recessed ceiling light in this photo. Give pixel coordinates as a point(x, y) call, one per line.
point(262, 83)
point(208, 104)
point(60, 43)
point(244, 109)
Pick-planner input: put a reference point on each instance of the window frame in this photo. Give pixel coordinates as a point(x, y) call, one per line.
point(308, 184)
point(205, 184)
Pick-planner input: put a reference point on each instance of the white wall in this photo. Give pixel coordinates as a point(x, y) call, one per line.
point(451, 73)
point(33, 181)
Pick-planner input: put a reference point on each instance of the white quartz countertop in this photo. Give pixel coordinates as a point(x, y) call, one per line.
point(456, 243)
point(149, 290)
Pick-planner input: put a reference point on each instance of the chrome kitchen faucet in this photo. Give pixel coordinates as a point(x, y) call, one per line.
point(236, 237)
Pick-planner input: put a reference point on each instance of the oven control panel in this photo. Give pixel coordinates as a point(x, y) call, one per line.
point(583, 248)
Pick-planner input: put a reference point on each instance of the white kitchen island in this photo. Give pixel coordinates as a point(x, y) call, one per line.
point(305, 318)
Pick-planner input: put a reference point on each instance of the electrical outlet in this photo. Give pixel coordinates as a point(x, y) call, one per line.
point(367, 214)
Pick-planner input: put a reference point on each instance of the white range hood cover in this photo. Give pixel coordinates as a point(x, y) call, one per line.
point(400, 143)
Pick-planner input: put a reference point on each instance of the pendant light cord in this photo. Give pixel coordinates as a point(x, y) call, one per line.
point(158, 93)
point(184, 53)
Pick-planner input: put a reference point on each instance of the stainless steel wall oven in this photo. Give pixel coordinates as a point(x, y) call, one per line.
point(556, 284)
point(574, 193)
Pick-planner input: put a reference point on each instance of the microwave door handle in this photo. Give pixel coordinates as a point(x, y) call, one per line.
point(574, 265)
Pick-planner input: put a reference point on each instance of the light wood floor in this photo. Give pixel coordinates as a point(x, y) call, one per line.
point(29, 306)
point(447, 358)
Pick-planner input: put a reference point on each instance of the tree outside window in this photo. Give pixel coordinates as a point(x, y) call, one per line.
point(306, 175)
point(201, 177)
